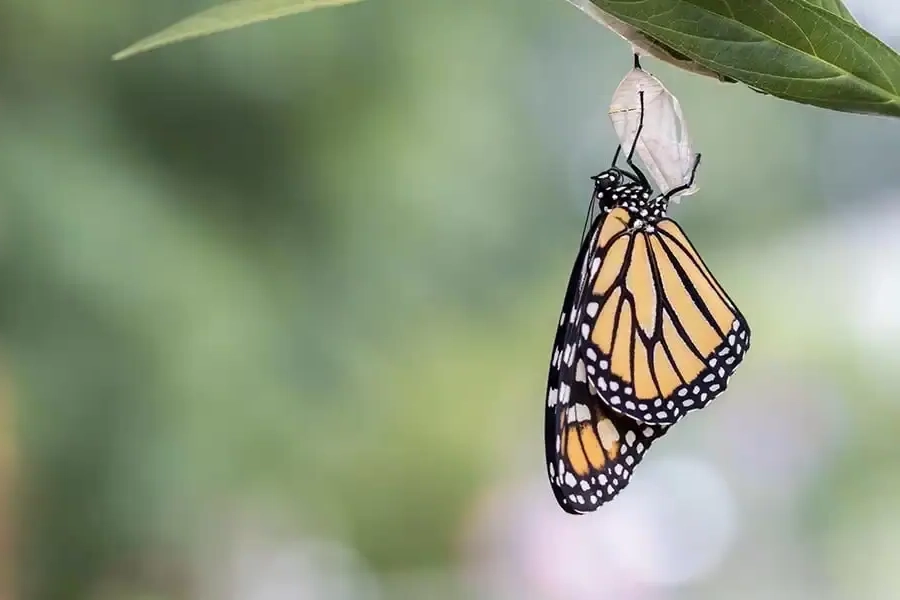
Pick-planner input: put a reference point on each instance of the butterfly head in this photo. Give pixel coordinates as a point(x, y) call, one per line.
point(607, 180)
point(604, 184)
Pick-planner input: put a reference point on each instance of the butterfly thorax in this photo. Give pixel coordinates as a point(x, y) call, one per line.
point(644, 209)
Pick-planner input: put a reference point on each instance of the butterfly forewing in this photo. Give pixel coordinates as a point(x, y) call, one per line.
point(660, 335)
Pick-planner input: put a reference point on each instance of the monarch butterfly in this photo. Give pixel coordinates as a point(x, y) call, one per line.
point(646, 335)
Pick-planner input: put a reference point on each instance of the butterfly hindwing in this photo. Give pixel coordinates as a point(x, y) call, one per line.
point(595, 449)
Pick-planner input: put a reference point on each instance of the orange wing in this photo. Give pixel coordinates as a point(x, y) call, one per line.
point(594, 449)
point(660, 336)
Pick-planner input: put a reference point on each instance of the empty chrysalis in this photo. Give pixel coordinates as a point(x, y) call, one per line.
point(664, 145)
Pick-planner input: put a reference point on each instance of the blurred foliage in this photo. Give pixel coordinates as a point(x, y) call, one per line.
point(313, 269)
point(222, 17)
point(8, 476)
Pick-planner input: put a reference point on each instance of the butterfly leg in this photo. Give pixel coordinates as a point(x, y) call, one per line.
point(615, 159)
point(616, 156)
point(690, 182)
point(637, 134)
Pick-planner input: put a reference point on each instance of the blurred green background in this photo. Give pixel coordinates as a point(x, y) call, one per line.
point(277, 307)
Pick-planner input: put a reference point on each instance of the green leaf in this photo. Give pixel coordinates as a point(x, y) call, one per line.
point(230, 15)
point(661, 51)
point(835, 6)
point(641, 41)
point(792, 49)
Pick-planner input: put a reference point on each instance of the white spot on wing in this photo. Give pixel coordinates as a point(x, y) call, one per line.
point(583, 412)
point(578, 413)
point(580, 375)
